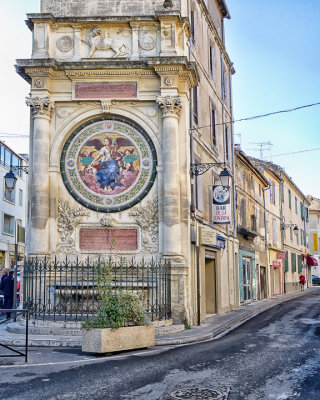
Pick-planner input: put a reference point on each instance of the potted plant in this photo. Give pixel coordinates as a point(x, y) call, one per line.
point(120, 323)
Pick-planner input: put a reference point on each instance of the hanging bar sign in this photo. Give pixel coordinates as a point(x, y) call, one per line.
point(221, 207)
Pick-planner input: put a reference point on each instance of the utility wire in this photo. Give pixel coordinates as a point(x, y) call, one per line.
point(13, 135)
point(257, 116)
point(296, 152)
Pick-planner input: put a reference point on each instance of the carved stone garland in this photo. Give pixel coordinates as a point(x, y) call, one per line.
point(147, 218)
point(68, 219)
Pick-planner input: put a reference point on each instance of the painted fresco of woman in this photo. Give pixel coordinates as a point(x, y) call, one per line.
point(108, 170)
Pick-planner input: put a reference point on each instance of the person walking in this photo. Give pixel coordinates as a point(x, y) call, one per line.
point(302, 280)
point(4, 273)
point(8, 291)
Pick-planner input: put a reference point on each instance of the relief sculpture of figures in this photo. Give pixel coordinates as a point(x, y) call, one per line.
point(96, 41)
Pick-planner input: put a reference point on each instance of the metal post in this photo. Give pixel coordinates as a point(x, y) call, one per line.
point(198, 284)
point(14, 304)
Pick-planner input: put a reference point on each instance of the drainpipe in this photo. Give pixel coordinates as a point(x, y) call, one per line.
point(266, 237)
point(193, 199)
point(282, 221)
point(305, 239)
point(235, 267)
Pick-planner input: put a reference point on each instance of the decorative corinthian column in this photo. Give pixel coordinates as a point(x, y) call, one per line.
point(41, 109)
point(170, 107)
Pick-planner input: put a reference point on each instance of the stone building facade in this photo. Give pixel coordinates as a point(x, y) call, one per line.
point(287, 225)
point(120, 93)
point(254, 273)
point(314, 234)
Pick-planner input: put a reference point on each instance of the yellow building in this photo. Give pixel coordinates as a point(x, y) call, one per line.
point(287, 222)
point(250, 205)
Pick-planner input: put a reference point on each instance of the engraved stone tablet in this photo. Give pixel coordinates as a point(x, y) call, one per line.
point(106, 90)
point(106, 239)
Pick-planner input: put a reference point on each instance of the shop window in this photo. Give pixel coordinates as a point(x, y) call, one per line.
point(8, 224)
point(9, 195)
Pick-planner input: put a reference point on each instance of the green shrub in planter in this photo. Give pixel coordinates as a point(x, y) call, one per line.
point(118, 310)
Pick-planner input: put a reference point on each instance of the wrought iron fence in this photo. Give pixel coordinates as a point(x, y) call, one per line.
point(54, 290)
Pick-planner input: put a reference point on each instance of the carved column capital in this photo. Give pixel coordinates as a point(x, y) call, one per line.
point(40, 106)
point(169, 105)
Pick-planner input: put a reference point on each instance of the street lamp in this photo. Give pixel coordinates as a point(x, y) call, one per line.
point(225, 178)
point(286, 226)
point(10, 180)
point(201, 168)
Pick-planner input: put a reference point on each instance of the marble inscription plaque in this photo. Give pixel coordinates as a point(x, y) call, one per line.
point(107, 239)
point(106, 90)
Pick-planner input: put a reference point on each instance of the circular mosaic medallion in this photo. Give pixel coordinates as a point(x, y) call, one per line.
point(108, 165)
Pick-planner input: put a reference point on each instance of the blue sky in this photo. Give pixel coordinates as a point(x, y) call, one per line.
point(275, 47)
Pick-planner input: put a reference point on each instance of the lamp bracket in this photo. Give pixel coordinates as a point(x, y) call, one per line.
point(201, 168)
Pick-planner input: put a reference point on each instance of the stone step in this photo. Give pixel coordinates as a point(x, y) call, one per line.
point(17, 327)
point(167, 330)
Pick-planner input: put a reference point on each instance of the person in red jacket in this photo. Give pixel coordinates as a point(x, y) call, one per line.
point(302, 280)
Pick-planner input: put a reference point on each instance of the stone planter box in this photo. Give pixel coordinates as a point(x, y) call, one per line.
point(110, 340)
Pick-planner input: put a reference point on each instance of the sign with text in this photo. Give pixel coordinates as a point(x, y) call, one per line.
point(276, 263)
point(221, 207)
point(106, 90)
point(207, 236)
point(315, 242)
point(221, 242)
point(281, 256)
point(106, 239)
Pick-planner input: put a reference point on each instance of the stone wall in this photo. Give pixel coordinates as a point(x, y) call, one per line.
point(85, 8)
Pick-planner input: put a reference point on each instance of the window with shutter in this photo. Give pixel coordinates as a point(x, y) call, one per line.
point(227, 143)
point(213, 126)
point(286, 263)
point(243, 212)
point(293, 262)
point(299, 263)
point(289, 194)
point(212, 62)
point(194, 26)
point(195, 105)
point(275, 239)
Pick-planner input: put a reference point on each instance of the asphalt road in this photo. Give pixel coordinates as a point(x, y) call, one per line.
point(275, 355)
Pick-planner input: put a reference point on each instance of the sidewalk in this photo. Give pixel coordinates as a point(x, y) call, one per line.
point(213, 326)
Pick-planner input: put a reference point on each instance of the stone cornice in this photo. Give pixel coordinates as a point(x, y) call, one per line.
point(31, 67)
point(49, 18)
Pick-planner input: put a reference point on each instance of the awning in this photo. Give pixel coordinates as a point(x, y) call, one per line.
point(312, 261)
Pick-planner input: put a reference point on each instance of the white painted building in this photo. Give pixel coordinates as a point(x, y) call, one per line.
point(13, 207)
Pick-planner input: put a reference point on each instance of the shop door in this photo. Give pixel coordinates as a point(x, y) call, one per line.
point(247, 283)
point(210, 277)
point(263, 294)
point(276, 280)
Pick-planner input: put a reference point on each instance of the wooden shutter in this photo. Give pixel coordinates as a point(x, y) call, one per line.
point(286, 263)
point(293, 262)
point(299, 263)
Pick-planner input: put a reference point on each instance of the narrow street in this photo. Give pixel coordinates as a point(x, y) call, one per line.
point(273, 356)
